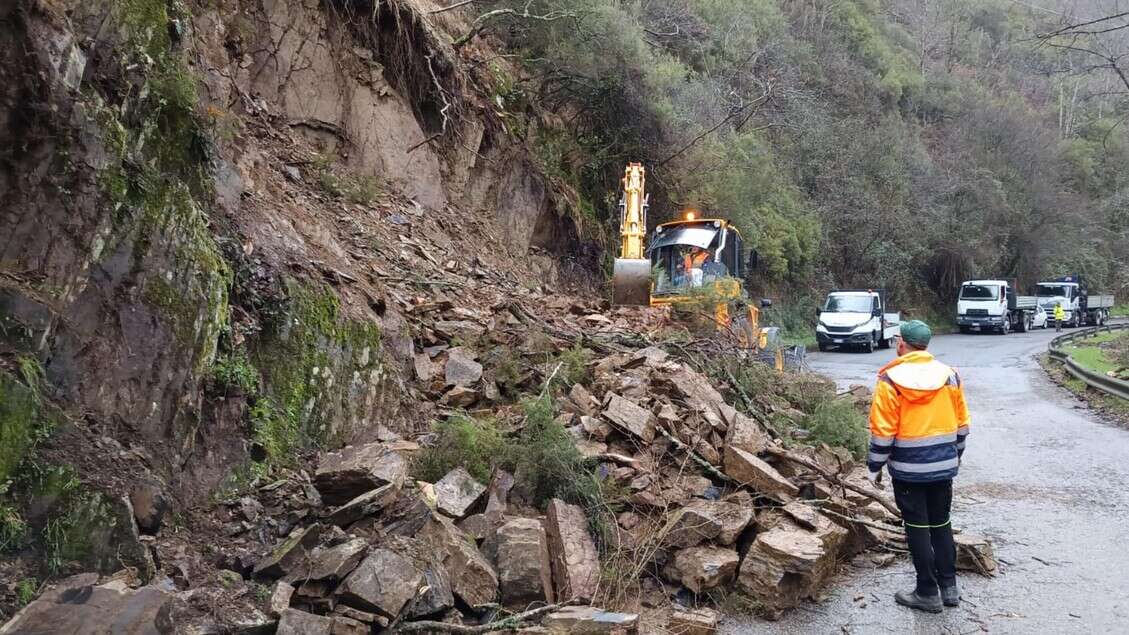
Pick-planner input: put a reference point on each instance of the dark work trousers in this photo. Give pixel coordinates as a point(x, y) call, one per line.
point(929, 533)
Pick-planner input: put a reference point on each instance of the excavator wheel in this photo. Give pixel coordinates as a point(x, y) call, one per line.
point(631, 282)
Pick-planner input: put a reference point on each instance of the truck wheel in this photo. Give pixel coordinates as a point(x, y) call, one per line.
point(822, 347)
point(1005, 328)
point(1025, 324)
point(871, 343)
point(966, 330)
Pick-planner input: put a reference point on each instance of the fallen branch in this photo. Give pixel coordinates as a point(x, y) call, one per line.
point(508, 623)
point(834, 478)
point(697, 458)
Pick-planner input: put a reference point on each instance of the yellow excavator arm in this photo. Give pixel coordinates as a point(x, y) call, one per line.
point(631, 274)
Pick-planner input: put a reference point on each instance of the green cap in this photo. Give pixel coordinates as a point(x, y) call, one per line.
point(917, 333)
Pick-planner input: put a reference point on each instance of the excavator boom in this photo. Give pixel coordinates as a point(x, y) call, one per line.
point(631, 274)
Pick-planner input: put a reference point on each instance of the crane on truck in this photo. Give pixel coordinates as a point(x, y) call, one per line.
point(683, 258)
point(1080, 304)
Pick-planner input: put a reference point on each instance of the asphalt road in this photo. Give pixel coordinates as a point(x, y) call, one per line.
point(1043, 477)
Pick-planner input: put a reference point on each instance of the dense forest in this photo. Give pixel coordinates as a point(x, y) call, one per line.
point(903, 143)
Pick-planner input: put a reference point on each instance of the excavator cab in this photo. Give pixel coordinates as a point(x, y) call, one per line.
point(693, 254)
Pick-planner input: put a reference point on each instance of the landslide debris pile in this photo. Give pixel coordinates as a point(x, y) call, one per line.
point(679, 488)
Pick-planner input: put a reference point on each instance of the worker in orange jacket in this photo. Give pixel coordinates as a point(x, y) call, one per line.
point(918, 425)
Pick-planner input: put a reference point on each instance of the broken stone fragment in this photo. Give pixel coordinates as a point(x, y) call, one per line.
point(747, 469)
point(76, 606)
point(457, 493)
point(295, 622)
point(473, 579)
point(745, 433)
point(788, 564)
point(461, 329)
point(576, 568)
point(595, 428)
point(580, 401)
point(344, 475)
point(366, 504)
point(519, 550)
point(692, 525)
point(462, 369)
point(383, 583)
point(333, 563)
point(280, 598)
point(974, 553)
point(460, 397)
point(701, 621)
point(629, 416)
point(436, 598)
point(290, 553)
point(589, 620)
point(701, 568)
point(149, 506)
point(424, 367)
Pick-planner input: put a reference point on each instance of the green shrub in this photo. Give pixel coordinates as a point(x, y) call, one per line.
point(836, 422)
point(26, 590)
point(235, 372)
point(475, 444)
point(573, 366)
point(13, 529)
point(277, 432)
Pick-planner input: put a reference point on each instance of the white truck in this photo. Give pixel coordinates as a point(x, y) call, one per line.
point(1081, 306)
point(992, 305)
point(856, 318)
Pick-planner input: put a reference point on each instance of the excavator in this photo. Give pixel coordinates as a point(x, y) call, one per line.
point(683, 259)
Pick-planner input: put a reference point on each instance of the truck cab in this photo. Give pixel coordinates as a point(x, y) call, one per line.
point(1080, 305)
point(992, 305)
point(856, 318)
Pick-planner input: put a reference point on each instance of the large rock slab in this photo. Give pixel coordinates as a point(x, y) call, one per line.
point(290, 554)
point(437, 598)
point(787, 564)
point(473, 579)
point(747, 469)
point(630, 416)
point(356, 470)
point(77, 607)
point(589, 620)
point(701, 568)
point(383, 583)
point(575, 564)
point(364, 505)
point(295, 622)
point(462, 369)
point(745, 433)
point(519, 549)
point(457, 493)
point(701, 621)
point(692, 525)
point(330, 563)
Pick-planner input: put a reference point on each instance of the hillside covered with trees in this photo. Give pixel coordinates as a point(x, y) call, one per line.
point(904, 143)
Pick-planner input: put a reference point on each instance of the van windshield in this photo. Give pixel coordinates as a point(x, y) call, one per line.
point(848, 304)
point(979, 292)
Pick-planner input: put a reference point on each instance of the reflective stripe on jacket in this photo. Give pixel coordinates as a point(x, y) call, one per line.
point(918, 419)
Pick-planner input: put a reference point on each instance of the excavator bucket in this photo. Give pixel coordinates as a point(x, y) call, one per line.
point(631, 282)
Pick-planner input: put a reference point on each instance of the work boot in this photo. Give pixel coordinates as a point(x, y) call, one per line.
point(950, 595)
point(928, 603)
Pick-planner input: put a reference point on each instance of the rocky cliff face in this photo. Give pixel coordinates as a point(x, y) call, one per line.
point(197, 199)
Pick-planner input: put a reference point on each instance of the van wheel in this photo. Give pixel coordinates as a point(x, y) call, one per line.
point(965, 330)
point(822, 347)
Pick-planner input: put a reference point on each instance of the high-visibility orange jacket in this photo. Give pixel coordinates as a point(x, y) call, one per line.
point(918, 419)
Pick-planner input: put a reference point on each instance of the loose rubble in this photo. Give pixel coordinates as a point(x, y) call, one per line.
point(709, 498)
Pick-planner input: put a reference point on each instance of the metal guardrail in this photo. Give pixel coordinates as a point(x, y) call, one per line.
point(1105, 383)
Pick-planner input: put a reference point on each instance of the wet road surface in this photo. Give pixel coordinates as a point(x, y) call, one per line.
point(1044, 478)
